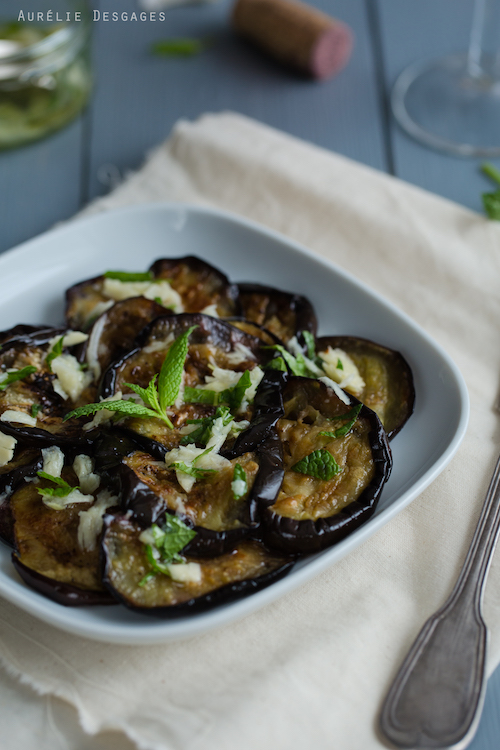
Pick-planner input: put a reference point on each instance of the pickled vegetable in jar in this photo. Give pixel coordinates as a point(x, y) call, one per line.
point(45, 77)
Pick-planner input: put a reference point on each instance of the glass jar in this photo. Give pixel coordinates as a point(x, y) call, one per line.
point(45, 73)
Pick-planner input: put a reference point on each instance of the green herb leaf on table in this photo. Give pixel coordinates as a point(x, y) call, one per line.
point(126, 276)
point(491, 201)
point(180, 47)
point(13, 377)
point(319, 464)
point(351, 417)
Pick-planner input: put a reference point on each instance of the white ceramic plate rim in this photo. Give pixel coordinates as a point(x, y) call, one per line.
point(150, 630)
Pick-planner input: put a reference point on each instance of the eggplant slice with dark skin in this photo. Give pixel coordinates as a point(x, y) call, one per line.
point(34, 395)
point(312, 512)
point(15, 474)
point(114, 332)
point(284, 314)
point(239, 572)
point(212, 341)
point(388, 379)
point(48, 555)
point(195, 283)
point(220, 520)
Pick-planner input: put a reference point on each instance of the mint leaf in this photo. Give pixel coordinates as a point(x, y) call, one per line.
point(201, 396)
point(63, 489)
point(175, 537)
point(491, 171)
point(310, 343)
point(13, 377)
point(297, 365)
point(149, 395)
point(234, 396)
point(491, 203)
point(278, 363)
point(319, 464)
point(239, 485)
point(126, 276)
point(128, 408)
point(169, 541)
point(204, 432)
point(192, 471)
point(170, 378)
point(56, 351)
point(35, 409)
point(181, 47)
point(351, 417)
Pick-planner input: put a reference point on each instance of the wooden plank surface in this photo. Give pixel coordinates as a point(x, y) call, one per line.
point(414, 31)
point(139, 96)
point(40, 185)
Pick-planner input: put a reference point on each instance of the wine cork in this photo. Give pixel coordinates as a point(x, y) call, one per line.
point(295, 34)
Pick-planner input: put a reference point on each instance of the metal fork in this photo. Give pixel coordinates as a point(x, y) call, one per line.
point(437, 696)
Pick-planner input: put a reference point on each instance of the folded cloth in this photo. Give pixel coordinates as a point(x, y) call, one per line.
point(311, 669)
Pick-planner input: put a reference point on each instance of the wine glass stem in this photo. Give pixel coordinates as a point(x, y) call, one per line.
point(483, 58)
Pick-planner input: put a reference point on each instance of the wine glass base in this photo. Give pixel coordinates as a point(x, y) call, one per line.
point(441, 104)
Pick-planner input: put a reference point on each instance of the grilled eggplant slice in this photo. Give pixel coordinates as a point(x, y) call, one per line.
point(388, 379)
point(284, 314)
point(59, 545)
point(267, 338)
point(195, 285)
point(13, 475)
point(48, 553)
point(245, 569)
point(332, 482)
point(34, 395)
point(114, 332)
point(213, 342)
point(220, 520)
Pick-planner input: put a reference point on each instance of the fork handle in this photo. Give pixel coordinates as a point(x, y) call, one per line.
point(436, 697)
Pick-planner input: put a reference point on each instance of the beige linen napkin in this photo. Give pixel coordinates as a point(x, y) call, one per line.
point(311, 669)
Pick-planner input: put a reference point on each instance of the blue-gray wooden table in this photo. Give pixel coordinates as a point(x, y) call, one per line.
point(138, 97)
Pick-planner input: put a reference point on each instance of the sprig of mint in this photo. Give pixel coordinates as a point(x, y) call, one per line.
point(351, 416)
point(203, 433)
point(56, 351)
point(192, 470)
point(168, 542)
point(63, 489)
point(233, 396)
point(161, 392)
point(319, 464)
point(180, 47)
point(127, 276)
point(13, 377)
point(239, 475)
point(491, 201)
point(311, 348)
